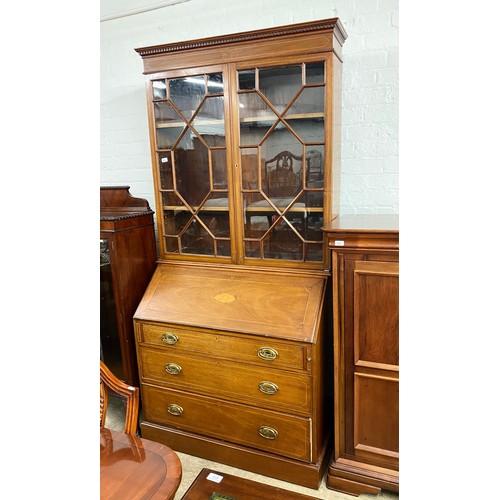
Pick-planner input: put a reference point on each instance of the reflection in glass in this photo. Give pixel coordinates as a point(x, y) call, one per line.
point(169, 125)
point(284, 240)
point(250, 168)
point(192, 170)
point(315, 73)
point(246, 79)
point(310, 101)
point(159, 89)
point(282, 161)
point(187, 93)
point(219, 169)
point(256, 118)
point(215, 85)
point(165, 165)
point(168, 136)
point(209, 121)
point(280, 85)
point(171, 199)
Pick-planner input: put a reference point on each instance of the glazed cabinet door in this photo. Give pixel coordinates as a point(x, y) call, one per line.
point(188, 123)
point(282, 147)
point(242, 156)
point(371, 357)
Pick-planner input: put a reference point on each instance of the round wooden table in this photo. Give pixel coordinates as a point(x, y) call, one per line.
point(136, 468)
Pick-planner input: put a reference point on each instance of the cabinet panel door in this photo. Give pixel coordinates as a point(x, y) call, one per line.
point(376, 314)
point(371, 357)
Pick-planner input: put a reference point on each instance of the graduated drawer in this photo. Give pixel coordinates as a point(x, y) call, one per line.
point(265, 387)
point(257, 350)
point(270, 431)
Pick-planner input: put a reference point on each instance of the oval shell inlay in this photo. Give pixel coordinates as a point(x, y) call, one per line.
point(225, 298)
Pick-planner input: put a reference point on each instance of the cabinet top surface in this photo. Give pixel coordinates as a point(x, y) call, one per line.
point(243, 301)
point(246, 36)
point(364, 222)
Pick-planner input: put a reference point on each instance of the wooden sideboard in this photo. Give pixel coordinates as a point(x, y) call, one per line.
point(127, 261)
point(365, 277)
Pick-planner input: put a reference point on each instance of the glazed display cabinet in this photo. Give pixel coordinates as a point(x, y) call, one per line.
point(231, 337)
point(245, 152)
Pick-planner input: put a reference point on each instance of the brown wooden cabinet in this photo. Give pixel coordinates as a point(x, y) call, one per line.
point(365, 270)
point(127, 261)
point(245, 133)
point(245, 138)
point(232, 368)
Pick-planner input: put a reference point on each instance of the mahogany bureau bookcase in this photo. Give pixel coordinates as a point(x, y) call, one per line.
point(232, 332)
point(365, 276)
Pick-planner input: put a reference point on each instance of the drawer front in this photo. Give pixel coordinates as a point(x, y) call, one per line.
point(268, 388)
point(285, 435)
point(262, 351)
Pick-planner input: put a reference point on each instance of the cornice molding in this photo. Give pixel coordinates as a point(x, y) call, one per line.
point(293, 29)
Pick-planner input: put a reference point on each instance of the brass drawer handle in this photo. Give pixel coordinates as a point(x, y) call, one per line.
point(268, 432)
point(268, 388)
point(170, 338)
point(268, 353)
point(175, 410)
point(173, 369)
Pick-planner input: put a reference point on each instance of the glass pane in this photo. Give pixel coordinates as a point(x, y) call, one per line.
point(252, 249)
point(284, 242)
point(215, 85)
point(306, 115)
point(314, 223)
point(217, 222)
point(250, 168)
point(192, 171)
point(223, 247)
point(187, 93)
point(197, 240)
point(169, 125)
point(209, 121)
point(314, 252)
point(175, 220)
point(282, 155)
point(256, 118)
point(309, 129)
point(165, 166)
point(171, 201)
point(280, 85)
point(167, 137)
point(172, 244)
point(315, 73)
point(219, 168)
point(246, 79)
point(259, 215)
point(159, 89)
point(315, 166)
point(311, 101)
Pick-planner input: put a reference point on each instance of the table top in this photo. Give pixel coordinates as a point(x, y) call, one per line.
point(214, 485)
point(136, 468)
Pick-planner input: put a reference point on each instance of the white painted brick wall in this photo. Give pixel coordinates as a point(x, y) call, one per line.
point(370, 120)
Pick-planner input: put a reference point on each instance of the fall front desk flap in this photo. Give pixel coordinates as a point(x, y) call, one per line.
point(247, 301)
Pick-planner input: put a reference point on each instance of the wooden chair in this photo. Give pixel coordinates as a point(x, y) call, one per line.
point(281, 179)
point(109, 381)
